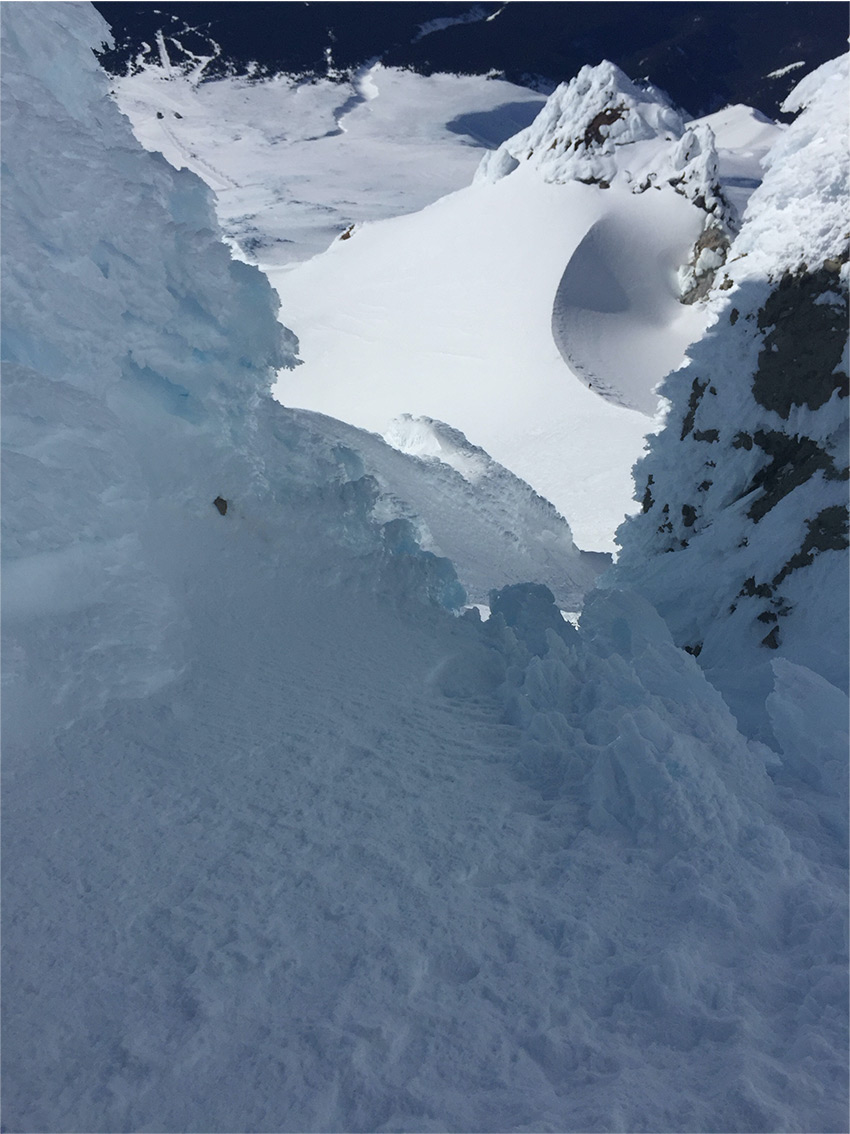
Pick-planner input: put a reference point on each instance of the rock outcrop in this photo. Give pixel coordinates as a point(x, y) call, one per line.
point(744, 522)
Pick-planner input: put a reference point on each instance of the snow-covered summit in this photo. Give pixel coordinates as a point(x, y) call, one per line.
point(602, 128)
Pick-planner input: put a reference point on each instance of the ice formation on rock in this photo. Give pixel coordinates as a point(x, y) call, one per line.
point(742, 541)
point(603, 129)
point(138, 356)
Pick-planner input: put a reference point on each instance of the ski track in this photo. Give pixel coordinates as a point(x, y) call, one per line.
point(217, 180)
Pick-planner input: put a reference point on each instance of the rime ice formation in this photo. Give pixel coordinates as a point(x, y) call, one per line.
point(594, 129)
point(603, 129)
point(745, 489)
point(491, 524)
point(291, 844)
point(137, 361)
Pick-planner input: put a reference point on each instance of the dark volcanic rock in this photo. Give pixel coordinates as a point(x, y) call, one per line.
point(806, 320)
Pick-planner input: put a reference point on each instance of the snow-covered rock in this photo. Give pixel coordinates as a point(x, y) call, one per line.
point(585, 122)
point(743, 537)
point(601, 128)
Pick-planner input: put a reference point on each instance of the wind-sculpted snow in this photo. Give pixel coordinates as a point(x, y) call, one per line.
point(653, 793)
point(617, 316)
point(387, 330)
point(742, 544)
point(447, 314)
point(493, 527)
point(602, 129)
point(137, 361)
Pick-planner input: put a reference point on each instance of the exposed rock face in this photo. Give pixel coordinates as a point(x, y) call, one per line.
point(800, 363)
point(744, 523)
point(710, 252)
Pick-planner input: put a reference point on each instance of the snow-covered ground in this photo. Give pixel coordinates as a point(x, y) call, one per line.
point(751, 475)
point(288, 842)
point(447, 314)
point(483, 309)
point(294, 162)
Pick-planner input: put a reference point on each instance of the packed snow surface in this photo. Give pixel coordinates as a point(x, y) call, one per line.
point(288, 843)
point(448, 314)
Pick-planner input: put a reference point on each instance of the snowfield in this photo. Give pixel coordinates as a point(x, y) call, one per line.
point(463, 311)
point(447, 314)
point(295, 162)
point(293, 841)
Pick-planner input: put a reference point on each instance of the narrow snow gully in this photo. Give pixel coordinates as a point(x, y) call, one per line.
point(290, 845)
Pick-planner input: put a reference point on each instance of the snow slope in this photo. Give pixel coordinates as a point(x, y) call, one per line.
point(287, 845)
point(447, 314)
point(495, 528)
point(387, 325)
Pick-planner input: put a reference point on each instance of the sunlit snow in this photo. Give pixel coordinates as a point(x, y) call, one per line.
point(386, 329)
